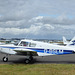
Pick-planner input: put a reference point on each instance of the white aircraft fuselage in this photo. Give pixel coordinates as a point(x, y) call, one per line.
point(35, 48)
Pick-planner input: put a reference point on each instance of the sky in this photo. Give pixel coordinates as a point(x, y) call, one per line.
point(37, 19)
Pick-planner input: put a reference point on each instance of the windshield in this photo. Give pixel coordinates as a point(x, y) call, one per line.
point(23, 43)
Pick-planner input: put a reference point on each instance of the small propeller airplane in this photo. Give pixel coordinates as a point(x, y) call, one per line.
point(32, 48)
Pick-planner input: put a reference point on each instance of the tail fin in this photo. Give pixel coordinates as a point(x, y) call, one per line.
point(72, 42)
point(65, 41)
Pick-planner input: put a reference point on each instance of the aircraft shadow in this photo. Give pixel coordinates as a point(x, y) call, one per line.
point(35, 61)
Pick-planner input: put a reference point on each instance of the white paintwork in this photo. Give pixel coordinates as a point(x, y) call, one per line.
point(39, 45)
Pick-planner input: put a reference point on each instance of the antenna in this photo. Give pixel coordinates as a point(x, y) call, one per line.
point(26, 35)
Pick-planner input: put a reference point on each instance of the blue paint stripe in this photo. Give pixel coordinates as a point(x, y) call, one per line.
point(57, 52)
point(35, 49)
point(9, 47)
point(53, 52)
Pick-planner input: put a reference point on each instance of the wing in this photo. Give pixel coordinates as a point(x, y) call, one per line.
point(22, 51)
point(33, 51)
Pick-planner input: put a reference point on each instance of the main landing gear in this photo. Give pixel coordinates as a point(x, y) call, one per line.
point(29, 60)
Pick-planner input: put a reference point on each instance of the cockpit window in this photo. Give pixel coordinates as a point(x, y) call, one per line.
point(32, 45)
point(23, 43)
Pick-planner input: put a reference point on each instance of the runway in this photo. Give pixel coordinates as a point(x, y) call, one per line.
point(57, 59)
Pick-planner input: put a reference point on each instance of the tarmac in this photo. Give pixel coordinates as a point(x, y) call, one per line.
point(54, 59)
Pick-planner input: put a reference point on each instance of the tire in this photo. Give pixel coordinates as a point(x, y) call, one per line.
point(31, 58)
point(5, 59)
point(27, 61)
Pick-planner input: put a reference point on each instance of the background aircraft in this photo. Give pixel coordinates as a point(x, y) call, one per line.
point(69, 43)
point(65, 42)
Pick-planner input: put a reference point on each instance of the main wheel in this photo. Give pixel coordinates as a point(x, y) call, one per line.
point(5, 59)
point(27, 61)
point(31, 58)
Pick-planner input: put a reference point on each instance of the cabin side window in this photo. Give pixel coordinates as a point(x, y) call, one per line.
point(23, 43)
point(32, 45)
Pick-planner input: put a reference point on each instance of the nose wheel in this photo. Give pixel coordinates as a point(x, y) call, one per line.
point(5, 59)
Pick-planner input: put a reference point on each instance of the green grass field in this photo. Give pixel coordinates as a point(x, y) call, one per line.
point(37, 69)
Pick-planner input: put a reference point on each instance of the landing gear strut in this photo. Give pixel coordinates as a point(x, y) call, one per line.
point(29, 60)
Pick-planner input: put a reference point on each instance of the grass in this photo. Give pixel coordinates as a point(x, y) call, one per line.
point(37, 69)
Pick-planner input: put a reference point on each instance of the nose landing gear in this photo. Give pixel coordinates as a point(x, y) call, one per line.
point(5, 59)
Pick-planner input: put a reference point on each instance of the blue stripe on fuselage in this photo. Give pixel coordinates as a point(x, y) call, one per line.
point(10, 47)
point(52, 51)
point(49, 51)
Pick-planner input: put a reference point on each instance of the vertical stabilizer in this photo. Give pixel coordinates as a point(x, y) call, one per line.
point(72, 42)
point(65, 41)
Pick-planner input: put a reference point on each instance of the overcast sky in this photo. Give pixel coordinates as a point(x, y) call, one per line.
point(38, 19)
